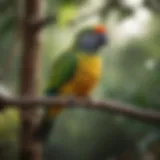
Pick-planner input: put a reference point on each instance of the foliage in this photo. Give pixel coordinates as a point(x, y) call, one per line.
point(131, 74)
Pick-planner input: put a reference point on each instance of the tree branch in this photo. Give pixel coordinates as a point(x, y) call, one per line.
point(30, 79)
point(116, 107)
point(39, 24)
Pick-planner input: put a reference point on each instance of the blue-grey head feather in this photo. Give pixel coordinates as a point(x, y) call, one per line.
point(91, 41)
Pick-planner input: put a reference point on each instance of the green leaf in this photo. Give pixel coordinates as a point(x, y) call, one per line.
point(66, 14)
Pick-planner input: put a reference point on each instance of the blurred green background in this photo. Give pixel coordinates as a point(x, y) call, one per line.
point(131, 73)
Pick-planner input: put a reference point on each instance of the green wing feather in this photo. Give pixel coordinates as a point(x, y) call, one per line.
point(62, 71)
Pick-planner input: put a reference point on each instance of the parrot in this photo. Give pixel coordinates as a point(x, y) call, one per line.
point(75, 73)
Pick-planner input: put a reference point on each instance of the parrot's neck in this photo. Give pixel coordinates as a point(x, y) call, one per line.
point(86, 57)
point(84, 52)
point(88, 54)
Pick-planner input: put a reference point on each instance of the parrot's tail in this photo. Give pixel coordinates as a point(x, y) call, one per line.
point(44, 129)
point(47, 124)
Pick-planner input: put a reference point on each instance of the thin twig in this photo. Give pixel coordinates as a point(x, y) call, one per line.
point(146, 115)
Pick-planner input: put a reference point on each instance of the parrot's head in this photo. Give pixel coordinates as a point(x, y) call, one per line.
point(92, 39)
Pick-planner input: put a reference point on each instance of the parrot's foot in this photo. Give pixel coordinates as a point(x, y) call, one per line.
point(44, 130)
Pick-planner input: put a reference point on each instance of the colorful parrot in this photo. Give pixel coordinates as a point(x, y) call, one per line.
point(75, 73)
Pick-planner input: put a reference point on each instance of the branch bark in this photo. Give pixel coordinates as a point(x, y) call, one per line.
point(30, 65)
point(145, 115)
point(37, 25)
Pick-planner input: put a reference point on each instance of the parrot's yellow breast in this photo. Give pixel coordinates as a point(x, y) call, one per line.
point(85, 78)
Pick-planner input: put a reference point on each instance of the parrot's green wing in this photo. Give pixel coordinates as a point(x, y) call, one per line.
point(62, 71)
